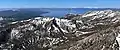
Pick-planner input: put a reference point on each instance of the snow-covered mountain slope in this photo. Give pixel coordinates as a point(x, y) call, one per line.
point(96, 30)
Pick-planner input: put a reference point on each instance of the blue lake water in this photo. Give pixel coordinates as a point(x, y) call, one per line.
point(60, 12)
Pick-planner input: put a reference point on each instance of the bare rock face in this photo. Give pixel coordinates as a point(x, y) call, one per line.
point(105, 25)
point(96, 30)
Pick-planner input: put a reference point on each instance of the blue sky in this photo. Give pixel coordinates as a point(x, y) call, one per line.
point(59, 3)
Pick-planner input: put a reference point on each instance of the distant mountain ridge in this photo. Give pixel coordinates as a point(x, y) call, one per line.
point(25, 13)
point(44, 11)
point(21, 13)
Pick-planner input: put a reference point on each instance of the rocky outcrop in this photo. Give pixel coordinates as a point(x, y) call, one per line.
point(96, 30)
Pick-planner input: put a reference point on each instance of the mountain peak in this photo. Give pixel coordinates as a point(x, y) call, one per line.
point(92, 30)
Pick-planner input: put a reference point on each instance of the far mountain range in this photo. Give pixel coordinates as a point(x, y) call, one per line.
point(25, 13)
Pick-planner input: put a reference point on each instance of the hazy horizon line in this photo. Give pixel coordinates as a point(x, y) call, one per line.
point(61, 7)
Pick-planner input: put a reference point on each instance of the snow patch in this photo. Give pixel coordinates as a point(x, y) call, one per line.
point(38, 18)
point(111, 15)
point(14, 32)
point(1, 18)
point(14, 22)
